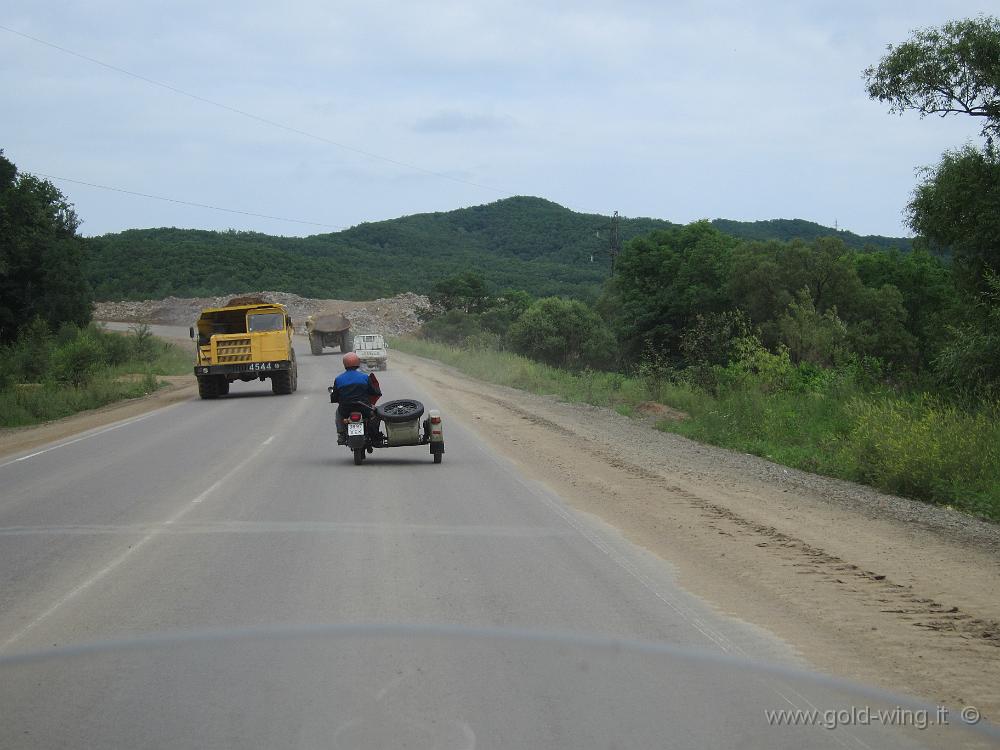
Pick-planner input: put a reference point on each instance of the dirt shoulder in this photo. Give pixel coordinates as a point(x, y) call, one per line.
point(17, 439)
point(868, 586)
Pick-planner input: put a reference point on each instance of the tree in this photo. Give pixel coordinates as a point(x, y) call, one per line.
point(811, 336)
point(711, 340)
point(41, 255)
point(928, 292)
point(662, 283)
point(503, 310)
point(957, 206)
point(956, 70)
point(464, 291)
point(969, 363)
point(765, 278)
point(951, 70)
point(453, 327)
point(563, 333)
point(878, 327)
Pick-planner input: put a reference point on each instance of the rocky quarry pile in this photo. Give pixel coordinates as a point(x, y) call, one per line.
point(393, 316)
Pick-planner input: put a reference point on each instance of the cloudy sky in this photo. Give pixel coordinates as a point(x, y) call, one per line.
point(678, 110)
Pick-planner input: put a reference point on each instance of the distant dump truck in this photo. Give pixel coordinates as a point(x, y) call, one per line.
point(245, 340)
point(371, 350)
point(329, 329)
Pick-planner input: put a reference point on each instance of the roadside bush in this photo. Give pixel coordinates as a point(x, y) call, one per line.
point(929, 450)
point(143, 343)
point(710, 344)
point(454, 327)
point(809, 336)
point(654, 370)
point(563, 333)
point(503, 310)
point(484, 340)
point(115, 350)
point(756, 367)
point(969, 362)
point(77, 362)
point(31, 353)
point(47, 377)
point(7, 378)
point(67, 332)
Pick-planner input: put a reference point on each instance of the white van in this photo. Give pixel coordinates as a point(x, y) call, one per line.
point(371, 350)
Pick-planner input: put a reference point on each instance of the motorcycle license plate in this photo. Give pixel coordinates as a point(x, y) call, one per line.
point(355, 428)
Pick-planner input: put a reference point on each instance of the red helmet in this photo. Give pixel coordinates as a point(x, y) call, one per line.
point(351, 360)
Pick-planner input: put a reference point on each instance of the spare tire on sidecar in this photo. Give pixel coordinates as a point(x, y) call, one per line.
point(400, 410)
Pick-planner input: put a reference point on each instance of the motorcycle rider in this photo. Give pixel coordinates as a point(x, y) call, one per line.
point(354, 391)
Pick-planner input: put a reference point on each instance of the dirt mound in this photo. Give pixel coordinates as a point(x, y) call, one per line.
point(248, 300)
point(393, 316)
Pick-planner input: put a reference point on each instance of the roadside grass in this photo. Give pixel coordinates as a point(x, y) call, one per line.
point(505, 368)
point(48, 376)
point(910, 445)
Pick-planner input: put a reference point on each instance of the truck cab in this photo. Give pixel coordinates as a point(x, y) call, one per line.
point(244, 342)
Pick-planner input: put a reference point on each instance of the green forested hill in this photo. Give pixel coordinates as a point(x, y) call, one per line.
point(791, 229)
point(522, 242)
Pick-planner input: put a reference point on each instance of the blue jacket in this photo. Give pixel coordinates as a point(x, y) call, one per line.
point(353, 386)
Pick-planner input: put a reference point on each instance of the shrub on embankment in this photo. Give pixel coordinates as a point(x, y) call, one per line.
point(47, 375)
point(839, 422)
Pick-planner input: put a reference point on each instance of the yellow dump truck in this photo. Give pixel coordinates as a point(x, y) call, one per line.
point(245, 340)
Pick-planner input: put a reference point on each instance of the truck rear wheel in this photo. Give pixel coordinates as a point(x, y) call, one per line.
point(347, 342)
point(281, 383)
point(315, 344)
point(209, 386)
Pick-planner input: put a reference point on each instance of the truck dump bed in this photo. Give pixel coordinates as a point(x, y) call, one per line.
point(330, 322)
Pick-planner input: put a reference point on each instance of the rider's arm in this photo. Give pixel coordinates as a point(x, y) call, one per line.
point(335, 395)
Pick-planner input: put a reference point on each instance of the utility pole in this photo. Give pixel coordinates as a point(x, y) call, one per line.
point(615, 245)
point(614, 241)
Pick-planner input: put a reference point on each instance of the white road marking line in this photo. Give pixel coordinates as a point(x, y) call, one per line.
point(131, 550)
point(296, 527)
point(87, 436)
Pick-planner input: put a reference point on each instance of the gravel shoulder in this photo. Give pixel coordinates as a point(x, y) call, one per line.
point(865, 585)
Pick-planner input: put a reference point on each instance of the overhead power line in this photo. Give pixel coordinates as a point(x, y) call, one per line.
point(244, 113)
point(186, 203)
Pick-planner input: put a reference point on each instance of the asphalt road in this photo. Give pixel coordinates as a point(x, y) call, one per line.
point(243, 513)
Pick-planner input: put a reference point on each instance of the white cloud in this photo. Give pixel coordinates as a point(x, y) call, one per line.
point(679, 109)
